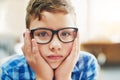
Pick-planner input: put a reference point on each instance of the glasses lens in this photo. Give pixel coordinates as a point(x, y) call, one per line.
point(67, 35)
point(42, 36)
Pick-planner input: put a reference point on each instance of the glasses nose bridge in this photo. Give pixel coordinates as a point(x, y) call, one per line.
point(55, 32)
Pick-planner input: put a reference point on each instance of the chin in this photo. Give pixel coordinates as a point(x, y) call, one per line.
point(54, 66)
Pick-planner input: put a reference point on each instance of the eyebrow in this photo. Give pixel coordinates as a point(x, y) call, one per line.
point(52, 29)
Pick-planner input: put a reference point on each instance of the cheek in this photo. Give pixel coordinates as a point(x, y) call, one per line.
point(43, 50)
point(67, 48)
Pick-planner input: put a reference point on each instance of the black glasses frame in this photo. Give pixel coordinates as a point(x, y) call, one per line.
point(53, 33)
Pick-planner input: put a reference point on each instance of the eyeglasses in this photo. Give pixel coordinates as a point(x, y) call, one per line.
point(45, 35)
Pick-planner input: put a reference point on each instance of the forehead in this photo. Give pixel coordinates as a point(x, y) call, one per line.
point(53, 21)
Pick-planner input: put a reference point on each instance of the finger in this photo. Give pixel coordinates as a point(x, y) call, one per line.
point(37, 56)
point(22, 48)
point(78, 41)
point(35, 49)
point(77, 45)
point(68, 64)
point(75, 49)
point(27, 43)
point(36, 52)
point(72, 58)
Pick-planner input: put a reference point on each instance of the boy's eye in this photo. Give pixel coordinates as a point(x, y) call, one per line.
point(65, 34)
point(43, 34)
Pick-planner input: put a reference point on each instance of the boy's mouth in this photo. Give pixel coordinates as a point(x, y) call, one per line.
point(55, 57)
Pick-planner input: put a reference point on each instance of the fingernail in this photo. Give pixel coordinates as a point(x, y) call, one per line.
point(27, 30)
point(33, 41)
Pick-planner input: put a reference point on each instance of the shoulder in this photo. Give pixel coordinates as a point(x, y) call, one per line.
point(16, 68)
point(86, 66)
point(86, 60)
point(13, 62)
point(86, 57)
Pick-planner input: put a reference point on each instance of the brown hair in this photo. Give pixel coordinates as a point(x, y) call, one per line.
point(35, 7)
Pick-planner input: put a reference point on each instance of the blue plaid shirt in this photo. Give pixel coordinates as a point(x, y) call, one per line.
point(17, 68)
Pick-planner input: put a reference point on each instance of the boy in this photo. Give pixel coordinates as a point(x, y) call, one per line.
point(51, 46)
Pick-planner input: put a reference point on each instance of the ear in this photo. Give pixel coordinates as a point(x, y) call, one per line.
point(24, 34)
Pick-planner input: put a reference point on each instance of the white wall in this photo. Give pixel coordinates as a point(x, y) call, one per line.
point(12, 17)
point(104, 19)
point(95, 18)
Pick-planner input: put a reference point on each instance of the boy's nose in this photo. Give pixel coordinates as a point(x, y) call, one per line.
point(55, 44)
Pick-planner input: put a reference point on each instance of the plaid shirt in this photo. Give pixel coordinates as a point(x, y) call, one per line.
point(17, 68)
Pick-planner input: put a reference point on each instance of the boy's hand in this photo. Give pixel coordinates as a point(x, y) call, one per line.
point(63, 72)
point(35, 60)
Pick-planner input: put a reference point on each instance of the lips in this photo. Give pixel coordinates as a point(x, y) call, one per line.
point(55, 57)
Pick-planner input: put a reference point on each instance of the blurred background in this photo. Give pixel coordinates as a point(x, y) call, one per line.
point(99, 26)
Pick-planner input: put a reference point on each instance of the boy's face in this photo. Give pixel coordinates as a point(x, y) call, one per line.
point(54, 52)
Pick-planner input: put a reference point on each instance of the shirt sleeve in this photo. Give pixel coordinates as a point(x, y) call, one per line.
point(86, 67)
point(3, 75)
point(92, 68)
point(0, 73)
